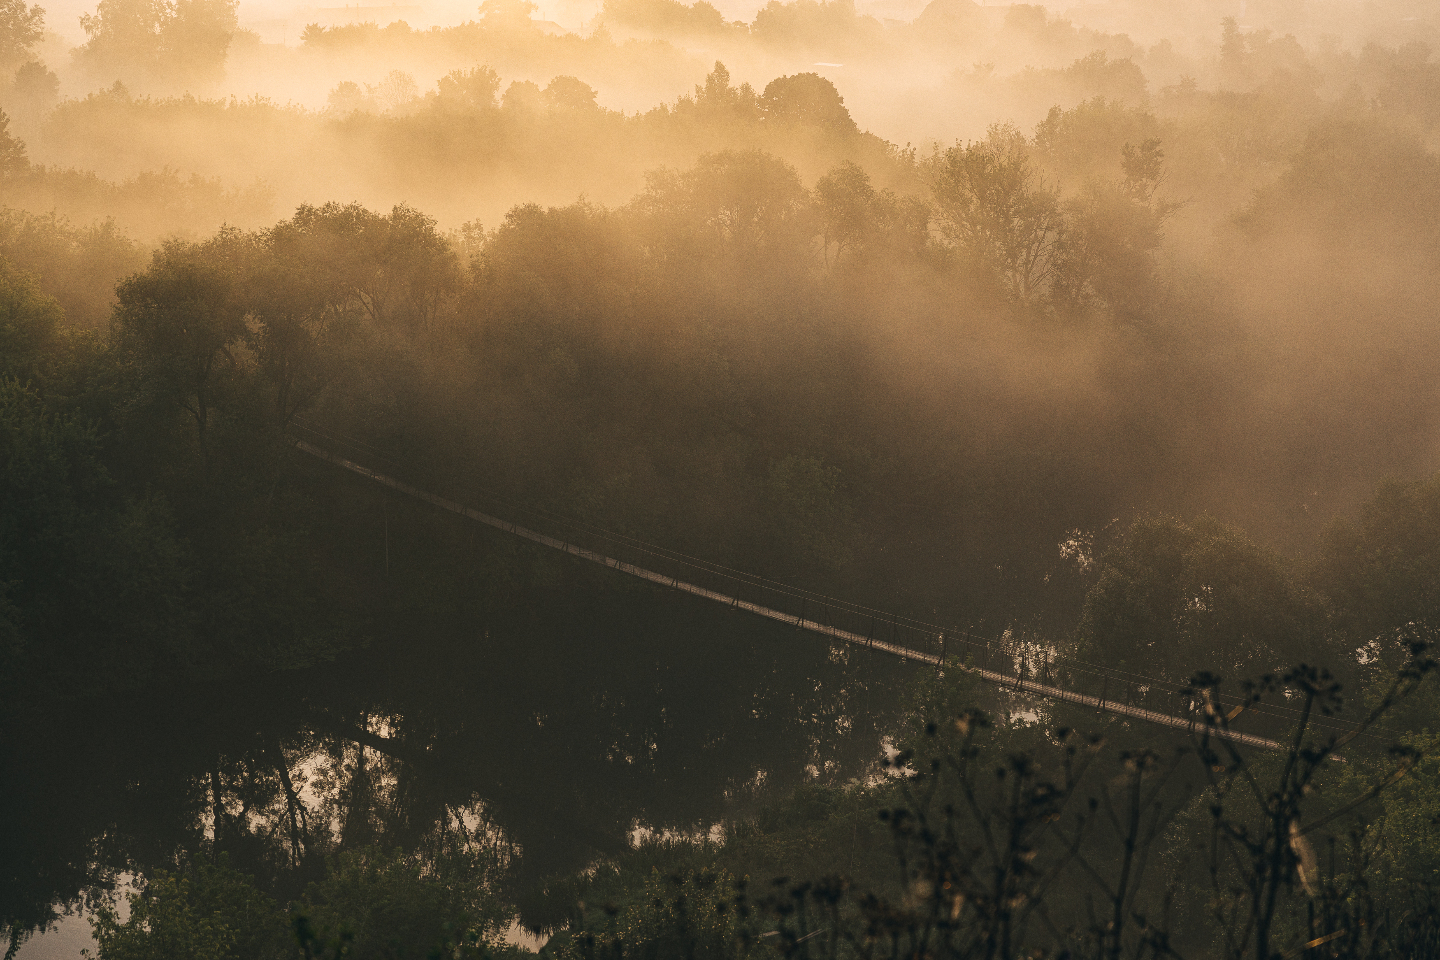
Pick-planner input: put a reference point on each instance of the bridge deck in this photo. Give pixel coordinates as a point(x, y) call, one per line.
point(1018, 683)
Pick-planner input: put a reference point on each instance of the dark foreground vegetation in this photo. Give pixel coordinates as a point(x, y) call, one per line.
point(1143, 385)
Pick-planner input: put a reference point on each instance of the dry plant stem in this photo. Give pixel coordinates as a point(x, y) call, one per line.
point(1270, 862)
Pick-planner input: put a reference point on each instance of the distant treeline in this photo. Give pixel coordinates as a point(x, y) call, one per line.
point(496, 129)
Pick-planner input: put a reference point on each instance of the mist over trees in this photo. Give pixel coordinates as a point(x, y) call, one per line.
point(1101, 339)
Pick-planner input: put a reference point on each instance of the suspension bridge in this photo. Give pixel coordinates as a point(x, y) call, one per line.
point(1122, 694)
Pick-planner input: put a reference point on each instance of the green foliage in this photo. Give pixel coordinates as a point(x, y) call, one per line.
point(807, 100)
point(808, 24)
point(1063, 845)
point(867, 224)
point(1265, 814)
point(13, 159)
point(469, 91)
point(698, 916)
point(395, 94)
point(385, 904)
point(1247, 58)
point(20, 29)
point(177, 326)
point(1173, 598)
point(78, 266)
point(1108, 253)
point(348, 98)
point(996, 214)
point(1379, 573)
point(1408, 830)
point(34, 91)
point(937, 698)
point(1356, 180)
point(397, 270)
point(146, 206)
point(205, 911)
point(319, 281)
point(90, 579)
point(158, 42)
point(718, 102)
point(817, 830)
point(1093, 249)
point(569, 94)
point(741, 205)
point(845, 198)
point(666, 16)
point(1094, 75)
point(30, 333)
point(1088, 142)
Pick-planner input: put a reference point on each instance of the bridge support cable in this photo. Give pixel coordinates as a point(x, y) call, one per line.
point(1016, 683)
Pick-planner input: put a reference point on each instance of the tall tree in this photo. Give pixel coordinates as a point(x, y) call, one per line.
point(845, 198)
point(1175, 597)
point(177, 326)
point(994, 210)
point(12, 151)
point(305, 306)
point(159, 42)
point(21, 27)
point(741, 203)
point(807, 100)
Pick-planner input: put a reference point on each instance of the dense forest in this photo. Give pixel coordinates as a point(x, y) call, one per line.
point(1104, 338)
